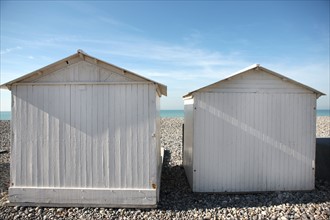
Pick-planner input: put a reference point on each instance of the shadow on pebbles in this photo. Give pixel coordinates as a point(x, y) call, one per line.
point(176, 198)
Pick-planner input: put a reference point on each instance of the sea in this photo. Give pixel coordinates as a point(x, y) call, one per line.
point(6, 115)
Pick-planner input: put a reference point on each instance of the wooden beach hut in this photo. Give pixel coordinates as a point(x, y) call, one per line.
point(253, 131)
point(85, 133)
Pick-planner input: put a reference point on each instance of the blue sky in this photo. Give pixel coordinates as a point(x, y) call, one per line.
point(182, 44)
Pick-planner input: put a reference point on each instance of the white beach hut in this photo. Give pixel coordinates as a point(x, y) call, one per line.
point(251, 132)
point(85, 133)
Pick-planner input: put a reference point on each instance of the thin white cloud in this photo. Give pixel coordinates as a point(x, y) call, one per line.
point(8, 50)
point(174, 55)
point(119, 24)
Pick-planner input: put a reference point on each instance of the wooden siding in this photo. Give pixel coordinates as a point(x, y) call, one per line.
point(73, 197)
point(247, 142)
point(84, 136)
point(187, 153)
point(257, 81)
point(82, 71)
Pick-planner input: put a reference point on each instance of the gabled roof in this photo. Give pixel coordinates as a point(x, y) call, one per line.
point(79, 56)
point(258, 67)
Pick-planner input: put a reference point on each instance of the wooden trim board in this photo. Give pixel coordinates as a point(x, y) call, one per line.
point(81, 197)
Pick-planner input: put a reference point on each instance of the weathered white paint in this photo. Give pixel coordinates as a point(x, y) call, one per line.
point(82, 71)
point(188, 139)
point(82, 197)
point(82, 129)
point(260, 139)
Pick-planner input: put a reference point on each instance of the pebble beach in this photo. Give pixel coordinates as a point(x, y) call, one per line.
point(176, 198)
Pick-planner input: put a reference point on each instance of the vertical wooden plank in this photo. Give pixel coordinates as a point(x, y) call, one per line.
point(310, 138)
point(238, 143)
point(268, 148)
point(38, 132)
point(83, 128)
point(249, 168)
point(89, 137)
point(287, 142)
point(303, 123)
point(139, 136)
point(228, 142)
point(74, 168)
point(272, 131)
point(303, 147)
point(312, 107)
point(268, 158)
point(57, 118)
point(73, 139)
point(201, 139)
point(293, 141)
point(284, 142)
point(100, 134)
point(51, 141)
point(241, 143)
point(206, 140)
point(36, 125)
point(118, 174)
point(134, 143)
point(296, 139)
point(100, 157)
point(95, 107)
point(123, 133)
point(257, 146)
point(279, 157)
point(46, 146)
point(196, 141)
point(42, 135)
point(254, 150)
point(217, 154)
point(158, 150)
point(265, 108)
point(62, 136)
point(128, 113)
point(247, 172)
point(78, 127)
point(106, 135)
point(214, 134)
point(308, 129)
point(152, 158)
point(212, 142)
point(199, 168)
point(15, 123)
point(233, 144)
point(147, 135)
point(218, 137)
point(112, 142)
point(275, 130)
point(67, 134)
point(24, 129)
point(28, 141)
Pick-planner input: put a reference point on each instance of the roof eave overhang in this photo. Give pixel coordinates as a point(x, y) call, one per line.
point(82, 56)
point(254, 66)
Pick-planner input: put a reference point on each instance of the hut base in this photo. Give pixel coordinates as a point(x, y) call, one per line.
point(82, 197)
point(86, 197)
